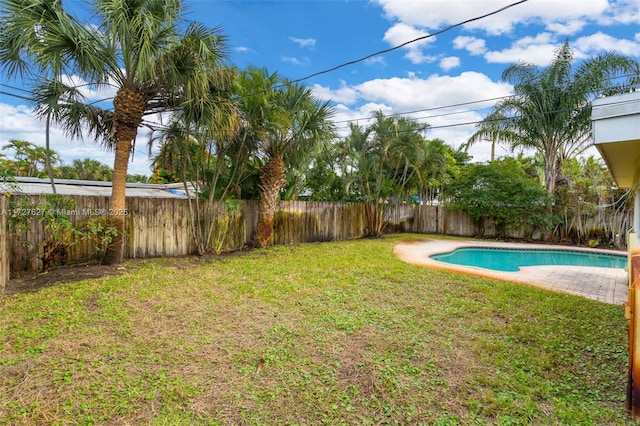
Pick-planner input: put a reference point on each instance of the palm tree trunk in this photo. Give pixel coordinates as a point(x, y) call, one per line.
point(272, 179)
point(48, 156)
point(117, 205)
point(550, 172)
point(128, 109)
point(374, 217)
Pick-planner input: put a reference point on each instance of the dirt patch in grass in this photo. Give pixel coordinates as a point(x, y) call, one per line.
point(66, 274)
point(31, 282)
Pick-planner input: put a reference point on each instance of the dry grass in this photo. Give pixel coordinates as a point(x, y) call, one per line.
point(332, 333)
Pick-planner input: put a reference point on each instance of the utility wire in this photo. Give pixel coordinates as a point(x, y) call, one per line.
point(157, 126)
point(2, 92)
point(434, 108)
point(20, 89)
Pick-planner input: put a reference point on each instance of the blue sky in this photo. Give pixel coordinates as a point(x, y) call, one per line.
point(433, 77)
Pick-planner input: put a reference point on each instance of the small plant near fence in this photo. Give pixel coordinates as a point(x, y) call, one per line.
point(56, 213)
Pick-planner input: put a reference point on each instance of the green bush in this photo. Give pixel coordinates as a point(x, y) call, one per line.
point(502, 191)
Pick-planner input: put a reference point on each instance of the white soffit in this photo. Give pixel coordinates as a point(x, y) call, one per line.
point(616, 132)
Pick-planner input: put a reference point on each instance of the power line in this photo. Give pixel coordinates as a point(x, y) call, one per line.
point(433, 108)
point(157, 126)
point(20, 89)
point(2, 92)
point(368, 118)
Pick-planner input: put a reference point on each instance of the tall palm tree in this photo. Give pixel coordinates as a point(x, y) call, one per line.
point(551, 109)
point(285, 122)
point(142, 48)
point(306, 125)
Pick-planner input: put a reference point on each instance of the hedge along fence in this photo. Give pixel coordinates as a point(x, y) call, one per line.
point(160, 227)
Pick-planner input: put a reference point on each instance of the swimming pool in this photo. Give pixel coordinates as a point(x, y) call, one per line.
point(511, 259)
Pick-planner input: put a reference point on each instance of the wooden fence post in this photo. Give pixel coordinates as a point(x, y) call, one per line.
point(4, 245)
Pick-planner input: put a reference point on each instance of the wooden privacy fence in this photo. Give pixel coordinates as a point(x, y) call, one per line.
point(160, 227)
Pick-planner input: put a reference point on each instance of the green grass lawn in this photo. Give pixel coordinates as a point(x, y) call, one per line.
point(329, 333)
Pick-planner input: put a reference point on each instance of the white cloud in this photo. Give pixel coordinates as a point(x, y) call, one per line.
point(345, 94)
point(305, 43)
point(295, 61)
point(625, 12)
point(407, 94)
point(599, 41)
point(473, 45)
point(375, 60)
point(402, 33)
point(449, 63)
point(19, 123)
point(438, 14)
point(538, 50)
point(417, 57)
point(89, 91)
point(566, 28)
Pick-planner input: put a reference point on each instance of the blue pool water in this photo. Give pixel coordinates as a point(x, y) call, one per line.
point(510, 260)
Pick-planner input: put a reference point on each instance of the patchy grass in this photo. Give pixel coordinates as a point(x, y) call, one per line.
point(331, 333)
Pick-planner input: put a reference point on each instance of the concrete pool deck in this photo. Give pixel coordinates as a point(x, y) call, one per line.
point(608, 285)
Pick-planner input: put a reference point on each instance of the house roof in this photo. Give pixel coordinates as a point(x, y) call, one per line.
point(38, 186)
point(616, 132)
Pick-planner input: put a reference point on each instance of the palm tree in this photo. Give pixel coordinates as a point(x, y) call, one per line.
point(30, 159)
point(493, 128)
point(20, 148)
point(305, 126)
point(198, 155)
point(551, 109)
point(435, 170)
point(284, 123)
point(381, 162)
point(140, 47)
point(87, 169)
point(40, 159)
